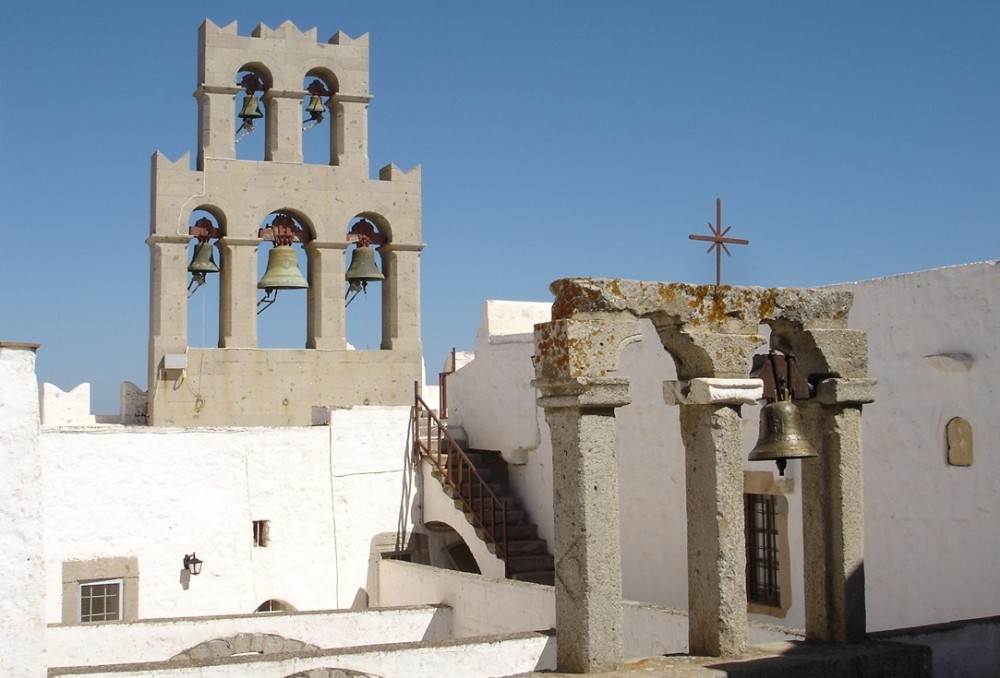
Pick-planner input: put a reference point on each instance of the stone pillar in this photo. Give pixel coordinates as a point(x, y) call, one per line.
point(326, 296)
point(712, 431)
point(833, 512)
point(580, 411)
point(284, 126)
point(22, 588)
point(216, 123)
point(400, 296)
point(167, 299)
point(238, 293)
point(349, 126)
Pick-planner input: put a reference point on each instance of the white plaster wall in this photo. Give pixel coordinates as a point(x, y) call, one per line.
point(930, 529)
point(66, 408)
point(161, 639)
point(22, 590)
point(160, 493)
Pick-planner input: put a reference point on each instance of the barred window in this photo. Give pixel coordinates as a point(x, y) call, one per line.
point(763, 565)
point(101, 600)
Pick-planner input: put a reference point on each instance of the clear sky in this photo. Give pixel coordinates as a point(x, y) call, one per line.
point(847, 140)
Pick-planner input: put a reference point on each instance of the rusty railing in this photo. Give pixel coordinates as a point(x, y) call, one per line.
point(433, 443)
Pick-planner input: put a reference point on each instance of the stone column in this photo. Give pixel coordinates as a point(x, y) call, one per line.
point(833, 512)
point(216, 123)
point(711, 428)
point(349, 127)
point(238, 292)
point(284, 126)
point(400, 296)
point(326, 296)
point(580, 411)
point(167, 300)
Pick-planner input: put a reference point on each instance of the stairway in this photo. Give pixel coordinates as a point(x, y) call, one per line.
point(479, 484)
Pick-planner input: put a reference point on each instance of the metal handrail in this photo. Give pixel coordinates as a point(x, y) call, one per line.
point(456, 468)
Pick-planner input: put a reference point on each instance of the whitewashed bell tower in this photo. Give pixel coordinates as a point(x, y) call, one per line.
point(330, 208)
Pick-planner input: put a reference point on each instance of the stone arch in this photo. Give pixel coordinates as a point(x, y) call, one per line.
point(244, 643)
point(253, 143)
point(322, 141)
point(275, 605)
point(286, 324)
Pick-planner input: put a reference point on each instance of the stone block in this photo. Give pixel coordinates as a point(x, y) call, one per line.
point(845, 391)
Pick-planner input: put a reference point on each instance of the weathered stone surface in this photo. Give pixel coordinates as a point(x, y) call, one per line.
point(719, 391)
point(582, 348)
point(845, 391)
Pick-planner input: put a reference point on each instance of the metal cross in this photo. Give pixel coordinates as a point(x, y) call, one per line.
point(719, 240)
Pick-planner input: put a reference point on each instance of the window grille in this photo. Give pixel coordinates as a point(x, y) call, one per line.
point(101, 600)
point(762, 550)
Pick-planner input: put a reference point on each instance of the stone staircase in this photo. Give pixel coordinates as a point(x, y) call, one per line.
point(478, 482)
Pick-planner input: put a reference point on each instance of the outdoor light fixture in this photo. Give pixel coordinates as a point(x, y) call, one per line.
point(192, 564)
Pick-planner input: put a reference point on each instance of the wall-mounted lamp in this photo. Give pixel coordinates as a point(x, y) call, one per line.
point(192, 564)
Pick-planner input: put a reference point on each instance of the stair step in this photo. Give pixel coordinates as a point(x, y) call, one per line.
point(530, 563)
point(547, 577)
point(517, 547)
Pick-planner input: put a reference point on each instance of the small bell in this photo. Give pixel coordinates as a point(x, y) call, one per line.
point(362, 268)
point(315, 108)
point(282, 272)
point(203, 261)
point(250, 111)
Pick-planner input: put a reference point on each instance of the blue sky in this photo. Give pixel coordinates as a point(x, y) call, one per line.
point(847, 140)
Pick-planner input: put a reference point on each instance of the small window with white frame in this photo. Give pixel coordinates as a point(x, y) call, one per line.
point(101, 600)
point(261, 532)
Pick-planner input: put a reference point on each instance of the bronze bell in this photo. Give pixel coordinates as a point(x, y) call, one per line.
point(282, 271)
point(202, 261)
point(315, 108)
point(250, 110)
point(362, 268)
point(781, 436)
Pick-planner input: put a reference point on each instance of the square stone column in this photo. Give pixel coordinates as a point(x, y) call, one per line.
point(572, 362)
point(284, 126)
point(587, 544)
point(238, 293)
point(712, 431)
point(326, 296)
point(833, 512)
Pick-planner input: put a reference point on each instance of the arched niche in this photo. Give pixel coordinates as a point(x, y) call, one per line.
point(251, 133)
point(282, 312)
point(368, 306)
point(322, 118)
point(206, 224)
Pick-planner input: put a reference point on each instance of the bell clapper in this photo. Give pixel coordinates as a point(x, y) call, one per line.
point(270, 296)
point(197, 280)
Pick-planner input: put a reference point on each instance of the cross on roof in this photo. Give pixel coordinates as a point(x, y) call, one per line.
point(719, 240)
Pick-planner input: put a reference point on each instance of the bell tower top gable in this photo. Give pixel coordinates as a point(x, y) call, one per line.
point(285, 54)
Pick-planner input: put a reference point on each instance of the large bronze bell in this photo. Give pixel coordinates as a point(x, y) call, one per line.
point(781, 436)
point(202, 262)
point(282, 271)
point(362, 268)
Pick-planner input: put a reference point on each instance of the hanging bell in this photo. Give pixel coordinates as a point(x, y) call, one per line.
point(781, 436)
point(363, 268)
point(282, 272)
point(315, 108)
point(250, 110)
point(202, 261)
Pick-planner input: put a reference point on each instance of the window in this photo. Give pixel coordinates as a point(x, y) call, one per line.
point(768, 574)
point(100, 589)
point(762, 550)
point(261, 532)
point(101, 600)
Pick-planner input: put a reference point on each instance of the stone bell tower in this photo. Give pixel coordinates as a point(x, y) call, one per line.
point(324, 209)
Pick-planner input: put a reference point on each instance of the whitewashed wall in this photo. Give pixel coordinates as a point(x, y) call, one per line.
point(931, 546)
point(160, 493)
point(930, 528)
point(22, 590)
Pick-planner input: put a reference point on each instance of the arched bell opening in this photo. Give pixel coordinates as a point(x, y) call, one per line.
point(282, 281)
point(250, 112)
point(204, 264)
point(366, 287)
point(321, 134)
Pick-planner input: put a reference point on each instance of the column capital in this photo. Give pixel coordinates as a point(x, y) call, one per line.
point(582, 392)
point(713, 391)
point(846, 391)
